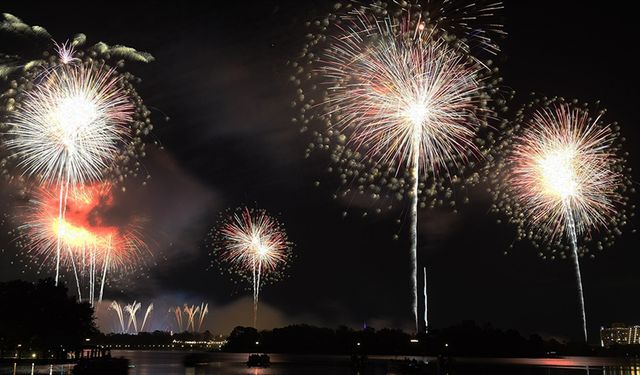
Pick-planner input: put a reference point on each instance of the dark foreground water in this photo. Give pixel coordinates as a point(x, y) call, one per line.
point(170, 363)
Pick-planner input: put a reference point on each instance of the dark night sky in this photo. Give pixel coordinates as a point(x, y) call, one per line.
point(220, 75)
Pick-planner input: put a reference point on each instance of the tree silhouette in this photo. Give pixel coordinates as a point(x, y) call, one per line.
point(42, 316)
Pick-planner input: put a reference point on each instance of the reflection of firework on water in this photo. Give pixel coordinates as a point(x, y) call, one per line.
point(193, 315)
point(68, 116)
point(92, 248)
point(251, 245)
point(403, 107)
point(130, 314)
point(560, 175)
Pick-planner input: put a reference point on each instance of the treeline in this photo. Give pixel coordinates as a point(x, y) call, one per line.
point(465, 339)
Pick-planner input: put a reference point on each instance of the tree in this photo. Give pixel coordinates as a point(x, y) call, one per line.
point(43, 316)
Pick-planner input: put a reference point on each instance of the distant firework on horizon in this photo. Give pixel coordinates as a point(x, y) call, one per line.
point(251, 246)
point(401, 105)
point(559, 175)
point(189, 318)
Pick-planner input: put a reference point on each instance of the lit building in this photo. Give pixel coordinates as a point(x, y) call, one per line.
point(619, 334)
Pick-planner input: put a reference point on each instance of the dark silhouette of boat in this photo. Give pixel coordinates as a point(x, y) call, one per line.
point(101, 366)
point(258, 360)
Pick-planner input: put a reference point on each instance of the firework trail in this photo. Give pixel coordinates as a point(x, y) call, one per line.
point(252, 245)
point(115, 306)
point(146, 315)
point(563, 177)
point(177, 313)
point(191, 312)
point(71, 120)
point(402, 105)
point(204, 310)
point(132, 310)
point(424, 290)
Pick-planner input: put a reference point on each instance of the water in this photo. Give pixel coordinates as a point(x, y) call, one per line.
point(170, 363)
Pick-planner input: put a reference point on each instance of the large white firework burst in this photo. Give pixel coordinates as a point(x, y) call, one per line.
point(69, 126)
point(404, 96)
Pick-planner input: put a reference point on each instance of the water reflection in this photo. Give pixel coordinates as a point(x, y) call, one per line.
point(622, 370)
point(171, 363)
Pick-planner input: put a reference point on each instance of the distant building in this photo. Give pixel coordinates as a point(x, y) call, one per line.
point(619, 334)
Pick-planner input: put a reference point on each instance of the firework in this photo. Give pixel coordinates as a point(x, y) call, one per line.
point(130, 312)
point(70, 125)
point(194, 315)
point(424, 294)
point(403, 107)
point(92, 248)
point(115, 306)
point(146, 316)
point(69, 117)
point(563, 178)
point(252, 245)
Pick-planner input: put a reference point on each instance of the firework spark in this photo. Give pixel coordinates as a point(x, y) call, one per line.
point(403, 106)
point(252, 245)
point(563, 178)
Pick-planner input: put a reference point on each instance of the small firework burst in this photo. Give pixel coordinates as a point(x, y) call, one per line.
point(252, 246)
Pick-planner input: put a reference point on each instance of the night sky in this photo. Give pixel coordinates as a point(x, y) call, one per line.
point(221, 77)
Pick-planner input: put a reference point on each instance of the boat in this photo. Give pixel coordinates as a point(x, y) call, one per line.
point(258, 360)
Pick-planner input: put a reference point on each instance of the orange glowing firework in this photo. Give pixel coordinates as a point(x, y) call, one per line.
point(90, 246)
point(252, 245)
point(563, 176)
